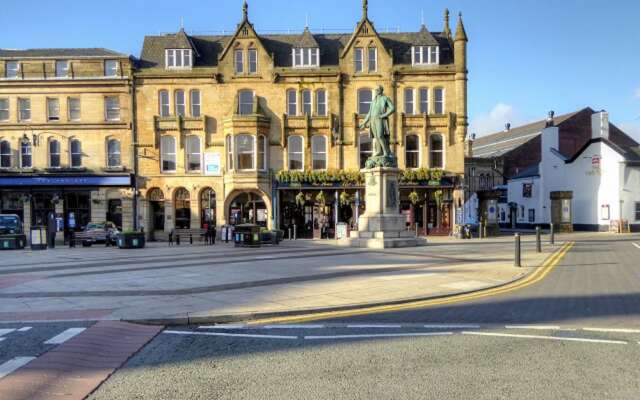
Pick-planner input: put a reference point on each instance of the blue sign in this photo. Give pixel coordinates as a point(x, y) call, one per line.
point(66, 181)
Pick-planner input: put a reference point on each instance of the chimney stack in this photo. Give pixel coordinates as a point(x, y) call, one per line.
point(507, 127)
point(600, 125)
point(550, 119)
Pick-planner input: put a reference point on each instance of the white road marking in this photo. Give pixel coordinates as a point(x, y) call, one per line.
point(613, 330)
point(13, 364)
point(380, 335)
point(539, 327)
point(637, 245)
point(374, 326)
point(569, 339)
point(24, 329)
point(465, 285)
point(293, 326)
point(64, 336)
point(451, 326)
point(222, 327)
point(245, 335)
point(5, 331)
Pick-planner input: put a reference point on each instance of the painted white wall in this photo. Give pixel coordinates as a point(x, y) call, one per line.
point(514, 194)
point(471, 209)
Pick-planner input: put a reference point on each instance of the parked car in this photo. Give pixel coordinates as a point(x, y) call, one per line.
point(101, 232)
point(11, 233)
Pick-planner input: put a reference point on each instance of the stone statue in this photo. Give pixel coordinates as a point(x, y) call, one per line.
point(377, 120)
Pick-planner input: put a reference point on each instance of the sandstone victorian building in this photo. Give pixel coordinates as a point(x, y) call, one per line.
point(66, 136)
point(264, 128)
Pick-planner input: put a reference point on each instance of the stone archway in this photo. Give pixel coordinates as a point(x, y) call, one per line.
point(156, 200)
point(248, 206)
point(182, 208)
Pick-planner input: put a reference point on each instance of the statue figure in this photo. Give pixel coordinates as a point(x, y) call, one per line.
point(377, 120)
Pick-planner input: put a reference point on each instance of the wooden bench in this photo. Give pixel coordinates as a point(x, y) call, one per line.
point(182, 235)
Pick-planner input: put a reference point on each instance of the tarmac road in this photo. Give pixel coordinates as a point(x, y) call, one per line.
point(574, 335)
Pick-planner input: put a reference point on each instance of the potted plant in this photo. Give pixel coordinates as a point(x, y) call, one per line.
point(131, 240)
point(414, 198)
point(300, 199)
point(345, 199)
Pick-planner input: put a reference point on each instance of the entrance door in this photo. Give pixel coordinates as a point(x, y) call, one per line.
point(248, 208)
point(114, 212)
point(157, 215)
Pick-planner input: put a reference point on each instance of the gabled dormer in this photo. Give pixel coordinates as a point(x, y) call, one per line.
point(180, 52)
point(365, 47)
point(244, 51)
point(306, 51)
point(425, 50)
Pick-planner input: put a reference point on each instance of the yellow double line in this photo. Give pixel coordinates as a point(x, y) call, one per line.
point(537, 276)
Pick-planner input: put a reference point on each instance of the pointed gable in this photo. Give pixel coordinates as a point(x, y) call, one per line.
point(364, 29)
point(306, 40)
point(425, 38)
point(245, 30)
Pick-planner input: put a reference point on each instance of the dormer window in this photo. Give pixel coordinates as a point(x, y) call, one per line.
point(12, 69)
point(425, 55)
point(62, 69)
point(306, 57)
point(178, 58)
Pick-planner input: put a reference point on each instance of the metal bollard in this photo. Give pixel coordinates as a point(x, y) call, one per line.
point(517, 262)
point(552, 234)
point(289, 233)
point(480, 230)
point(538, 240)
point(484, 232)
point(295, 232)
point(191, 238)
point(177, 240)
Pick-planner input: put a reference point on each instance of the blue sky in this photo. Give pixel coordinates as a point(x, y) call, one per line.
point(526, 56)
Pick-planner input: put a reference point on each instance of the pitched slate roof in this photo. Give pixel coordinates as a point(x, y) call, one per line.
point(60, 53)
point(306, 40)
point(630, 154)
point(425, 38)
point(210, 47)
point(497, 144)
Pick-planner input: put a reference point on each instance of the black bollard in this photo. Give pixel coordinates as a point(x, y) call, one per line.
point(289, 233)
point(538, 242)
point(552, 234)
point(295, 232)
point(177, 240)
point(517, 262)
point(480, 230)
point(191, 238)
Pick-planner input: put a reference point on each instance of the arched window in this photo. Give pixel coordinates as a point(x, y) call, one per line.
point(412, 151)
point(262, 153)
point(366, 148)
point(76, 153)
point(54, 154)
point(365, 96)
point(229, 143)
point(163, 103)
point(436, 151)
point(292, 102)
point(208, 207)
point(183, 208)
point(319, 152)
point(179, 102)
point(296, 152)
point(168, 153)
point(321, 102)
point(195, 103)
point(438, 100)
point(113, 153)
point(25, 154)
point(194, 154)
point(306, 102)
point(409, 102)
point(245, 102)
point(245, 152)
point(5, 154)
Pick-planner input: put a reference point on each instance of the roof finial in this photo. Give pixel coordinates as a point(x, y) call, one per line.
point(422, 17)
point(461, 34)
point(365, 9)
point(245, 10)
point(181, 23)
point(306, 21)
point(447, 29)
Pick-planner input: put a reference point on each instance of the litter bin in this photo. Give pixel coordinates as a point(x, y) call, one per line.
point(247, 235)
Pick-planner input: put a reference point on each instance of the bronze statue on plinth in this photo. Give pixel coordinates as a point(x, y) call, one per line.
point(377, 120)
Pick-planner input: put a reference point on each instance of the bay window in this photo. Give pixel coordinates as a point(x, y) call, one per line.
point(295, 147)
point(194, 154)
point(245, 152)
point(168, 153)
point(179, 102)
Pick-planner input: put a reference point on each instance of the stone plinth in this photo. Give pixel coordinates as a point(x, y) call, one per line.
point(382, 226)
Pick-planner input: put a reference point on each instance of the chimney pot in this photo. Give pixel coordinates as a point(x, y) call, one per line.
point(507, 127)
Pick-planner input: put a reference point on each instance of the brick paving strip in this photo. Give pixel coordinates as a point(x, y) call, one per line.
point(77, 367)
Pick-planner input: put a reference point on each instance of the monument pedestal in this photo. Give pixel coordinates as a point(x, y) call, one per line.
point(382, 226)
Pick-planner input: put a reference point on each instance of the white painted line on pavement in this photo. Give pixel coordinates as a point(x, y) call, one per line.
point(613, 330)
point(379, 335)
point(374, 326)
point(13, 364)
point(222, 327)
point(451, 326)
point(569, 339)
point(637, 245)
point(245, 335)
point(291, 326)
point(25, 329)
point(539, 327)
point(64, 336)
point(5, 331)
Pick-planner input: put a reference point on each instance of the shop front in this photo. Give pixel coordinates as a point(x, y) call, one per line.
point(74, 201)
point(429, 208)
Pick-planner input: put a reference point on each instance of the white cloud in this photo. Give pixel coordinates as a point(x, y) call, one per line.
point(495, 120)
